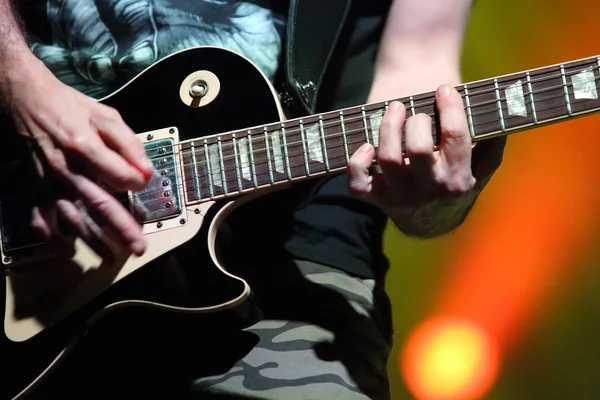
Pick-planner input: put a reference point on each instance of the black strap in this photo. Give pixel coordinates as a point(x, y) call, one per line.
point(313, 29)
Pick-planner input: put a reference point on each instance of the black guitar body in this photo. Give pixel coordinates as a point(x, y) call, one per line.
point(186, 277)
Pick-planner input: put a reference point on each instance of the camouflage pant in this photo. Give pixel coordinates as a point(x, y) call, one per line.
point(325, 335)
point(338, 352)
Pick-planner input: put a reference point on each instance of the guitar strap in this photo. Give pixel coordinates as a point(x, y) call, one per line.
point(313, 29)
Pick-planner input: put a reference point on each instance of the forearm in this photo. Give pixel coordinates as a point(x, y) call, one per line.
point(14, 51)
point(421, 50)
point(421, 47)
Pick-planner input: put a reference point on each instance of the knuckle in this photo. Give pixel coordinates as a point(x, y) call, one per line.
point(56, 161)
point(100, 208)
point(111, 114)
point(357, 187)
point(354, 164)
point(453, 130)
point(41, 228)
point(387, 157)
point(77, 143)
point(460, 184)
point(420, 119)
point(418, 148)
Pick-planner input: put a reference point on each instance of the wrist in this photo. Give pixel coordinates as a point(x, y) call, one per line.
point(431, 219)
point(16, 61)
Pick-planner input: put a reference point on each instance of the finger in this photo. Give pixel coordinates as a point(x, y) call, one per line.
point(360, 182)
point(43, 221)
point(84, 227)
point(390, 154)
point(119, 137)
point(455, 146)
point(100, 203)
point(103, 163)
point(419, 148)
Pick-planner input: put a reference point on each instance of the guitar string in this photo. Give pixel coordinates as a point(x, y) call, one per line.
point(260, 138)
point(218, 172)
point(337, 122)
point(333, 121)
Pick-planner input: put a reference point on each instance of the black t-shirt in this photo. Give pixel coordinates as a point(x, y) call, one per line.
point(84, 42)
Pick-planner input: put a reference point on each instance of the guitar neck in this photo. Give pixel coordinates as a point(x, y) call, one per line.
point(237, 162)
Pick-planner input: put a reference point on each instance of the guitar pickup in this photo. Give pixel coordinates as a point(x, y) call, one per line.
point(161, 198)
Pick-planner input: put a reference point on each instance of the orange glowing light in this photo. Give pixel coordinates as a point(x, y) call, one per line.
point(447, 358)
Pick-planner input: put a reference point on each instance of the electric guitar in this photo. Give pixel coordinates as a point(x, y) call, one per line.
point(214, 128)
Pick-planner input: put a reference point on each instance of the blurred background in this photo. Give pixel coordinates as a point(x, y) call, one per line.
point(508, 306)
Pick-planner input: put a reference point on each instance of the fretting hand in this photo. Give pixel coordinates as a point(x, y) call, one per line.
point(428, 192)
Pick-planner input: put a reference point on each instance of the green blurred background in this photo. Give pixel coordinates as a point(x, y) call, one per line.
point(524, 267)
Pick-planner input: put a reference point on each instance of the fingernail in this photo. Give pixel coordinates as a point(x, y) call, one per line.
point(365, 148)
point(444, 90)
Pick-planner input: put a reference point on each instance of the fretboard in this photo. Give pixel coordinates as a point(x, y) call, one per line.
point(237, 162)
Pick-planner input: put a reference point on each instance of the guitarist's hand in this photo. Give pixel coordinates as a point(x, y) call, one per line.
point(75, 143)
point(427, 193)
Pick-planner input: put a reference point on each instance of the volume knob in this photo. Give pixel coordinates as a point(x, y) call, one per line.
point(198, 89)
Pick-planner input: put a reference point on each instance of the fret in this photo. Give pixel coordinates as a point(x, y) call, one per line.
point(295, 149)
point(278, 157)
point(365, 125)
point(285, 152)
point(261, 157)
point(344, 138)
point(323, 145)
point(237, 163)
point(252, 164)
point(230, 164)
point(425, 104)
point(268, 152)
point(334, 140)
point(201, 173)
point(547, 89)
point(533, 112)
point(386, 106)
point(499, 105)
point(582, 84)
point(189, 177)
point(222, 166)
point(194, 168)
point(314, 141)
point(355, 129)
point(565, 89)
point(469, 113)
point(243, 151)
point(208, 170)
point(304, 152)
point(486, 105)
